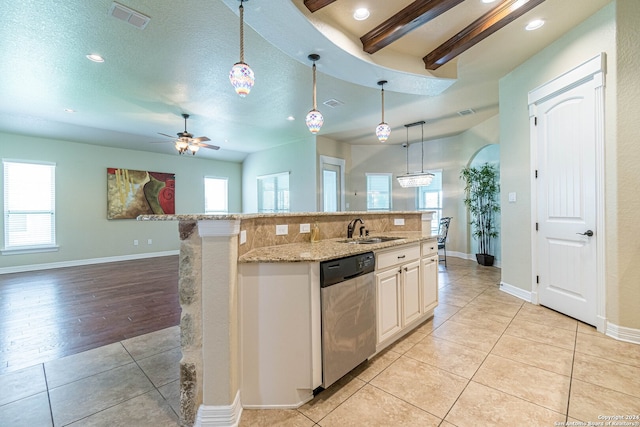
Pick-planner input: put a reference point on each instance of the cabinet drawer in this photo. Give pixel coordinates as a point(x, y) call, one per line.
point(429, 247)
point(397, 256)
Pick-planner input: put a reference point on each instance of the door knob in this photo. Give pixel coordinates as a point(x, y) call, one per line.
point(587, 233)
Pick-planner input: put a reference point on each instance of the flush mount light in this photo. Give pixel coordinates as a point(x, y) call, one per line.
point(95, 57)
point(534, 25)
point(291, 118)
point(488, 1)
point(241, 75)
point(69, 110)
point(361, 14)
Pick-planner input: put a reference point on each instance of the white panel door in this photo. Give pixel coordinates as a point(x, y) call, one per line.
point(566, 200)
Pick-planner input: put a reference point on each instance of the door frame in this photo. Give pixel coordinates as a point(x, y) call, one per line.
point(341, 163)
point(593, 69)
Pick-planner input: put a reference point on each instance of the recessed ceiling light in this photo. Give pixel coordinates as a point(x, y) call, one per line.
point(291, 118)
point(534, 25)
point(361, 14)
point(95, 57)
point(488, 1)
point(69, 110)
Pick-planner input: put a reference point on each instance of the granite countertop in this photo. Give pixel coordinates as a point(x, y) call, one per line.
point(235, 216)
point(328, 249)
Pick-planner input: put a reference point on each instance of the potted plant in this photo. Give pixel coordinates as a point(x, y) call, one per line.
point(482, 191)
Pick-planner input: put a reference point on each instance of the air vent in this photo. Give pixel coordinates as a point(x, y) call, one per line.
point(333, 103)
point(466, 112)
point(130, 16)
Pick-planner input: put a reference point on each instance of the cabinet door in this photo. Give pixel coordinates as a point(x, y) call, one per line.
point(388, 295)
point(412, 303)
point(429, 283)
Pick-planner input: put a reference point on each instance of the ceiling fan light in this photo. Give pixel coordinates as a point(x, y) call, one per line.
point(383, 131)
point(242, 78)
point(314, 121)
point(194, 148)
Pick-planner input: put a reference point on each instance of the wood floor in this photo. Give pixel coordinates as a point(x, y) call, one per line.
point(48, 314)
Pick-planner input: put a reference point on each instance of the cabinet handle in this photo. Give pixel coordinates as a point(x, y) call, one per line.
point(406, 269)
point(403, 256)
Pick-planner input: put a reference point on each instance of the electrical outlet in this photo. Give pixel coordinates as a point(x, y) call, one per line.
point(243, 237)
point(305, 228)
point(512, 197)
point(135, 243)
point(149, 241)
point(282, 229)
point(398, 221)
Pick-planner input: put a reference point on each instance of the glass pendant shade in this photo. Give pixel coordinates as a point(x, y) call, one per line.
point(383, 131)
point(241, 75)
point(314, 121)
point(242, 78)
point(194, 148)
point(181, 145)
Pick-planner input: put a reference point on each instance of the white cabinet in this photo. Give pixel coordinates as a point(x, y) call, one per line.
point(388, 294)
point(412, 308)
point(398, 287)
point(429, 266)
point(407, 288)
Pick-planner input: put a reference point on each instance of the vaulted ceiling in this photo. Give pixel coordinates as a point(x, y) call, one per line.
point(440, 57)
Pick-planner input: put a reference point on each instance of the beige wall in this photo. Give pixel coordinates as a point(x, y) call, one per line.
point(449, 154)
point(623, 174)
point(612, 30)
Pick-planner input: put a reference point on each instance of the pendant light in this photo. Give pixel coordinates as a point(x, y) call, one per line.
point(415, 179)
point(314, 117)
point(383, 130)
point(241, 75)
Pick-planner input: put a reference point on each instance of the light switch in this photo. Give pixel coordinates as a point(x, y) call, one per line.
point(243, 236)
point(282, 229)
point(512, 197)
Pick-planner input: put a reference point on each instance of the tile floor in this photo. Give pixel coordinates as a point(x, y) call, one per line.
point(485, 359)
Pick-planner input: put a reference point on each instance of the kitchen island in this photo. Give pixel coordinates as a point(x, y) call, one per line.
point(217, 254)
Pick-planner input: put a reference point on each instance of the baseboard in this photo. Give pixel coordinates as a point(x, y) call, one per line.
point(220, 416)
point(75, 263)
point(515, 291)
point(622, 333)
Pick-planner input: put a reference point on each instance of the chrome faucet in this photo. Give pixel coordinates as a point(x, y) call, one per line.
point(352, 226)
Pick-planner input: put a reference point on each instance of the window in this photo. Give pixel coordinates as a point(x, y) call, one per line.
point(378, 191)
point(430, 199)
point(216, 195)
point(29, 206)
point(273, 193)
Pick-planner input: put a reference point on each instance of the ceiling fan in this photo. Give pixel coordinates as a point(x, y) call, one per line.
point(187, 143)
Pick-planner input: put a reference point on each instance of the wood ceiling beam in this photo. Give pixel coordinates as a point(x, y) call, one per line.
point(477, 31)
point(314, 5)
point(408, 19)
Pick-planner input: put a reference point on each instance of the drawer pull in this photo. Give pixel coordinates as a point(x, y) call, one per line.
point(403, 256)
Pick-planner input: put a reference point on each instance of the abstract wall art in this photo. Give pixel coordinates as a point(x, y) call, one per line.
point(133, 192)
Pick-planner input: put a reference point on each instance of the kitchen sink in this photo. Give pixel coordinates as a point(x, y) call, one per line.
point(370, 240)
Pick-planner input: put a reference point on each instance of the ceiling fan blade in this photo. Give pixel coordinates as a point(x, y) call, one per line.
point(203, 145)
point(168, 136)
point(201, 138)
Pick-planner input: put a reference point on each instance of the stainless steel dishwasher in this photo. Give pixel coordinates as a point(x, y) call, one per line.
point(347, 295)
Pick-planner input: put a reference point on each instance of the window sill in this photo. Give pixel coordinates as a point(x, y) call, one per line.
point(30, 250)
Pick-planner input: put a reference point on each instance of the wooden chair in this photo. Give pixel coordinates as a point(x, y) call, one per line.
point(443, 230)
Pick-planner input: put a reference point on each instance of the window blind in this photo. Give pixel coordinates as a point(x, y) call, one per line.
point(29, 204)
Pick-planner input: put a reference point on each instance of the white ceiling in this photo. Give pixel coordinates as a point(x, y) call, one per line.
point(181, 60)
